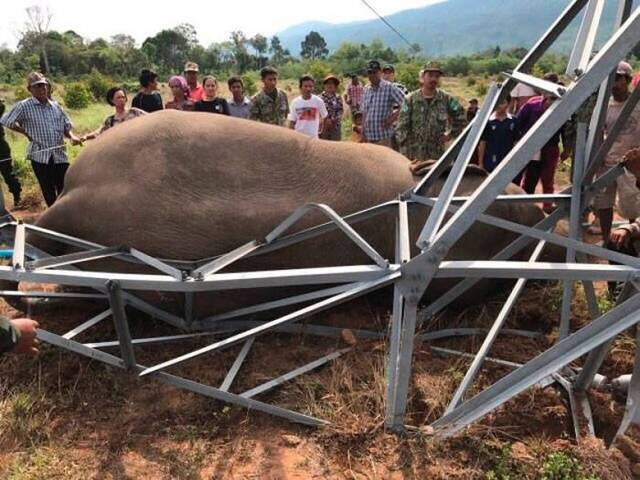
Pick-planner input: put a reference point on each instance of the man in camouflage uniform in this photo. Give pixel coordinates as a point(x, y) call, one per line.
point(270, 105)
point(429, 118)
point(18, 336)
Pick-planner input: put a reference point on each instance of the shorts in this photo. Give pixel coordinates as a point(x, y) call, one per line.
point(628, 196)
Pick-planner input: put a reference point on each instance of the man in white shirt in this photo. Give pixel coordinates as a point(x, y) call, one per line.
point(308, 111)
point(629, 137)
point(520, 95)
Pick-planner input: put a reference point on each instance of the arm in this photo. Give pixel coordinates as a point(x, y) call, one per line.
point(18, 336)
point(404, 125)
point(68, 129)
point(292, 118)
point(13, 120)
point(9, 336)
point(457, 117)
point(225, 107)
point(482, 147)
point(254, 111)
point(324, 116)
point(75, 140)
point(97, 131)
point(397, 98)
point(286, 103)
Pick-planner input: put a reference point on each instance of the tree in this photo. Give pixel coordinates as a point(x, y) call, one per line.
point(259, 44)
point(169, 49)
point(188, 31)
point(123, 42)
point(313, 46)
point(37, 24)
point(240, 54)
point(276, 50)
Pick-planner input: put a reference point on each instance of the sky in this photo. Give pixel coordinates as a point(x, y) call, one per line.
point(213, 19)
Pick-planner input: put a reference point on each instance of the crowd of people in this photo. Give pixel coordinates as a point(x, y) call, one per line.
point(419, 124)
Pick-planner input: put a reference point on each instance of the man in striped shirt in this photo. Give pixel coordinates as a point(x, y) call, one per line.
point(353, 97)
point(45, 124)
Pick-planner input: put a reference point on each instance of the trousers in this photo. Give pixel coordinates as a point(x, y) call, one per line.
point(51, 179)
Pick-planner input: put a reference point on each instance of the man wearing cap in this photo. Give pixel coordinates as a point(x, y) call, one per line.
point(45, 124)
point(429, 118)
point(628, 138)
point(191, 70)
point(333, 123)
point(389, 74)
point(379, 100)
point(269, 105)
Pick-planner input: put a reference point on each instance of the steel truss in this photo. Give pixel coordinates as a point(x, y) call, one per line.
point(410, 276)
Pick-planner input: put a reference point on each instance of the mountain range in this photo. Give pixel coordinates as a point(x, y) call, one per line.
point(455, 27)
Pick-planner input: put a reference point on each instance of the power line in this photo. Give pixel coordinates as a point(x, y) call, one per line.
point(384, 20)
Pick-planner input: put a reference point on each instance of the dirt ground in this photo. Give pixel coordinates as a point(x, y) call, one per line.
point(65, 416)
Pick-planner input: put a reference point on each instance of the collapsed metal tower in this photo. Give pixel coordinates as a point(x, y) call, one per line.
point(409, 275)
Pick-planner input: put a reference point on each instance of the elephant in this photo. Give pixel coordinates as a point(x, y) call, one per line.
point(188, 185)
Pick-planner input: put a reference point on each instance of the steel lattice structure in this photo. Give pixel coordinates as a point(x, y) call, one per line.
point(409, 275)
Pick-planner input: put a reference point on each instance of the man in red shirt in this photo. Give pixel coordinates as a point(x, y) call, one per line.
point(354, 95)
point(191, 74)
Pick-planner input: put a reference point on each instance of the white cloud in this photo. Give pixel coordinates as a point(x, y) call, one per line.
point(213, 20)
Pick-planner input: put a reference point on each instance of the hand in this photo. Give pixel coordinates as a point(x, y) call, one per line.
point(390, 120)
point(620, 237)
point(28, 342)
point(77, 141)
point(632, 161)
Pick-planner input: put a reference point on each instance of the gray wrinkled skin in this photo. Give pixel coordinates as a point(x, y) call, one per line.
point(193, 185)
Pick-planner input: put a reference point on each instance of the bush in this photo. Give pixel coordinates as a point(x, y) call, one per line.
point(408, 75)
point(77, 96)
point(560, 466)
point(250, 79)
point(471, 81)
point(482, 89)
point(98, 84)
point(20, 93)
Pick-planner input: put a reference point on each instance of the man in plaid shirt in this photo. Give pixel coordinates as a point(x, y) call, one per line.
point(380, 98)
point(45, 124)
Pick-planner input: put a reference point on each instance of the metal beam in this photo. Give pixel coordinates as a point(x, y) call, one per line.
point(237, 363)
point(550, 361)
point(362, 289)
point(574, 224)
point(354, 236)
point(585, 39)
point(88, 324)
point(451, 184)
point(271, 384)
point(482, 353)
point(538, 84)
point(121, 324)
point(72, 258)
point(225, 260)
point(182, 383)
